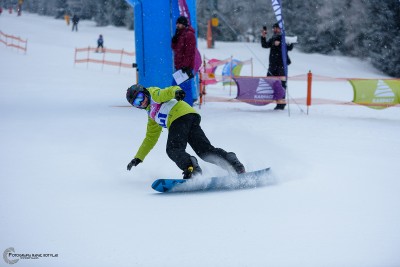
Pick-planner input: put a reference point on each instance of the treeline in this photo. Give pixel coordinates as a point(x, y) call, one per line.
point(106, 12)
point(367, 29)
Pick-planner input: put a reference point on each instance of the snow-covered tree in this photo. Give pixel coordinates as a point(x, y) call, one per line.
point(382, 40)
point(363, 28)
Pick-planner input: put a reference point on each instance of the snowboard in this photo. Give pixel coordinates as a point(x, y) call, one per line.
point(230, 182)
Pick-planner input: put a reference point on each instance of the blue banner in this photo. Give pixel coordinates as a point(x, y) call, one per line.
point(276, 5)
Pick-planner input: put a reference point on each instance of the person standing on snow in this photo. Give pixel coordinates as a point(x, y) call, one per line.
point(100, 43)
point(184, 46)
point(166, 109)
point(276, 67)
point(67, 18)
point(75, 21)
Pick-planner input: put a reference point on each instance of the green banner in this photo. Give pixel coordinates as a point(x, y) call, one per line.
point(377, 94)
point(236, 72)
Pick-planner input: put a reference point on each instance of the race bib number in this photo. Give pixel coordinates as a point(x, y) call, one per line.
point(159, 111)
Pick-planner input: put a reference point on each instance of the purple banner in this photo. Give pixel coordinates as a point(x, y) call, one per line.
point(183, 9)
point(259, 91)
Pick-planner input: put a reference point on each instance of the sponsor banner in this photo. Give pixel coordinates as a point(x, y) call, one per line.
point(377, 94)
point(259, 91)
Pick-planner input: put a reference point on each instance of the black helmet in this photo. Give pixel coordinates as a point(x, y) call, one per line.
point(133, 92)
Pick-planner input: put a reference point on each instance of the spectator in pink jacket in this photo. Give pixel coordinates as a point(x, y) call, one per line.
point(184, 47)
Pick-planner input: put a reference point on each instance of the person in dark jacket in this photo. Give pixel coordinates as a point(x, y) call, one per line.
point(75, 21)
point(184, 47)
point(276, 67)
point(100, 43)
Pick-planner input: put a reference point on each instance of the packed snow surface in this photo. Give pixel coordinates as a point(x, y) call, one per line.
point(65, 142)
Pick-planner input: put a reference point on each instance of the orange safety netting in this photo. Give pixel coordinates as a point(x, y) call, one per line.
point(89, 57)
point(13, 41)
point(310, 78)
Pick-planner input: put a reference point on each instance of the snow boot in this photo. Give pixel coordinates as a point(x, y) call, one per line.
point(235, 163)
point(192, 170)
point(280, 107)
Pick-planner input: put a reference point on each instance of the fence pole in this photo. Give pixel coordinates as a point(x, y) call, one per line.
point(104, 57)
point(230, 76)
point(202, 81)
point(76, 52)
point(251, 61)
point(120, 61)
point(309, 81)
point(87, 60)
point(203, 91)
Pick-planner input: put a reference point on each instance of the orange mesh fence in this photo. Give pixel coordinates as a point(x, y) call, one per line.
point(102, 56)
point(13, 41)
point(310, 79)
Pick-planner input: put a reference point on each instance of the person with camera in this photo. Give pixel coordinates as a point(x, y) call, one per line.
point(166, 109)
point(276, 67)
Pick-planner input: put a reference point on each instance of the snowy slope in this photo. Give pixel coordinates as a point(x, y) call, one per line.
point(65, 146)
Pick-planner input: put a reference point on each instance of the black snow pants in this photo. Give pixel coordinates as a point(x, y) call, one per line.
point(186, 130)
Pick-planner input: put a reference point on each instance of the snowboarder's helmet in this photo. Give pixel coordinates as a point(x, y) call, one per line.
point(276, 25)
point(136, 94)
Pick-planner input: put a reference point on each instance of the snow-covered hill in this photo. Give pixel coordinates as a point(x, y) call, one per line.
point(65, 145)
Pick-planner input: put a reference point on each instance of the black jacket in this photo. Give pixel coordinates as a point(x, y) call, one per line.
point(75, 19)
point(275, 55)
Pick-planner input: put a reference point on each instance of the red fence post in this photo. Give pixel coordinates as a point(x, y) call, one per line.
point(309, 82)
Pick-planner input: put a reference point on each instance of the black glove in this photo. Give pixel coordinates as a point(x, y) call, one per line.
point(180, 95)
point(133, 162)
point(188, 71)
point(175, 38)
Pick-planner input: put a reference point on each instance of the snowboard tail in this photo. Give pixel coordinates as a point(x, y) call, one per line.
point(244, 180)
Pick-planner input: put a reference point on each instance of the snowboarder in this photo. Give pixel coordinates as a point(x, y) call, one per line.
point(166, 109)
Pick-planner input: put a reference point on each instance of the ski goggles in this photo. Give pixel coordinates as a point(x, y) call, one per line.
point(138, 100)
